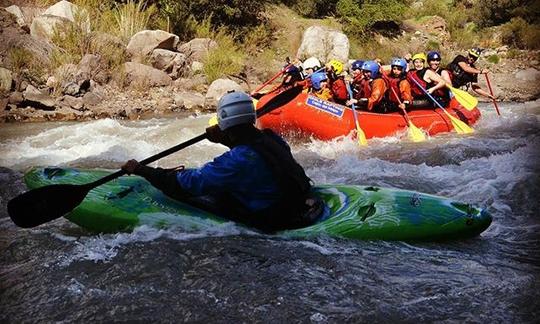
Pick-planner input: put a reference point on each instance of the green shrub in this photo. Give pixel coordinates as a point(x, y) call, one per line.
point(236, 15)
point(226, 59)
point(359, 17)
point(433, 45)
point(520, 34)
point(495, 59)
point(496, 12)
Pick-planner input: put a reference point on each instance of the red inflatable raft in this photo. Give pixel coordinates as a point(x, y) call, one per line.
point(307, 115)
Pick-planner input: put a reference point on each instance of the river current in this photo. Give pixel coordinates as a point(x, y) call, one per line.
point(57, 272)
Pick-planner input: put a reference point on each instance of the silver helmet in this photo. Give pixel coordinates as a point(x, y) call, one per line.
point(235, 108)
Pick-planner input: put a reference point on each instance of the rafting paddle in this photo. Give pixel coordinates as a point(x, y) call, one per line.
point(464, 98)
point(459, 126)
point(415, 134)
point(359, 132)
point(40, 205)
point(491, 92)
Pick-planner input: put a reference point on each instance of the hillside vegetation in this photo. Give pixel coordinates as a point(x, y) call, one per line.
point(251, 28)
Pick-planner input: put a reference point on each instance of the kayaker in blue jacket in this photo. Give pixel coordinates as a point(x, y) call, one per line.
point(257, 182)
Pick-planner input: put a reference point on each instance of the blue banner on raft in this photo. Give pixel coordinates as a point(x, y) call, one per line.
point(326, 106)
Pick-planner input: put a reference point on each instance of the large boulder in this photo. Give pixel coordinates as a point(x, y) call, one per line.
point(145, 42)
point(530, 74)
point(324, 44)
point(58, 17)
point(197, 49)
point(145, 75)
point(168, 61)
point(218, 88)
point(25, 15)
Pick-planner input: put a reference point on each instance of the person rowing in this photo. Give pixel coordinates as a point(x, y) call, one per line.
point(463, 72)
point(257, 182)
point(426, 78)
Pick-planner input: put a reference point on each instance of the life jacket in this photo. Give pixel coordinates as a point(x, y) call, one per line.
point(339, 90)
point(441, 93)
point(418, 76)
point(393, 85)
point(356, 86)
point(458, 76)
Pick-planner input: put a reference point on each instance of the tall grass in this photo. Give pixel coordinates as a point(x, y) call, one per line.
point(131, 18)
point(226, 59)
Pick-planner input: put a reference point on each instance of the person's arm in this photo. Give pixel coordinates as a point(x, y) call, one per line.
point(431, 76)
point(469, 69)
point(405, 93)
point(162, 179)
point(377, 93)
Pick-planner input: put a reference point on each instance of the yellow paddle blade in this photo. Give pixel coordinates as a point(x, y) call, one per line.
point(464, 98)
point(415, 133)
point(213, 121)
point(459, 126)
point(362, 140)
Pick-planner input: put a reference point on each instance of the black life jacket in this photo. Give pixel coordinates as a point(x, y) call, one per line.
point(290, 176)
point(458, 75)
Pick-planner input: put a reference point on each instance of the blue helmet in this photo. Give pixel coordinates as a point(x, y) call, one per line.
point(433, 56)
point(317, 78)
point(357, 65)
point(372, 67)
point(399, 62)
point(291, 69)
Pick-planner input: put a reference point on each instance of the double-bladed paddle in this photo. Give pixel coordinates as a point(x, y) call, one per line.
point(41, 205)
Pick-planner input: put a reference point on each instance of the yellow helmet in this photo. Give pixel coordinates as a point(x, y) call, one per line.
point(336, 65)
point(475, 52)
point(419, 56)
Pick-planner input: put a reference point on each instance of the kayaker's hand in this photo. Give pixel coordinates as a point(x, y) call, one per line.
point(350, 102)
point(216, 135)
point(131, 166)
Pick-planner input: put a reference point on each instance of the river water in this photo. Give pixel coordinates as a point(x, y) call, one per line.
point(57, 272)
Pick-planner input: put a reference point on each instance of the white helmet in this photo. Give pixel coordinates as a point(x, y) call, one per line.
point(311, 63)
point(235, 108)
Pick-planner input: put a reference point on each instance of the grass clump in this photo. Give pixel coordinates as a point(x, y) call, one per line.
point(225, 59)
point(520, 34)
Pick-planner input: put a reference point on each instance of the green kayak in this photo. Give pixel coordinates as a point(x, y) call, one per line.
point(351, 211)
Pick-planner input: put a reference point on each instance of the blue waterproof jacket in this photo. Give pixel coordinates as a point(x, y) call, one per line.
point(240, 172)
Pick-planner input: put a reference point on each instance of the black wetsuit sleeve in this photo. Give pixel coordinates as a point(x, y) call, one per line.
point(162, 179)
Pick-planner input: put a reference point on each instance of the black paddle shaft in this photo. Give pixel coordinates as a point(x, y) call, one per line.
point(40, 205)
